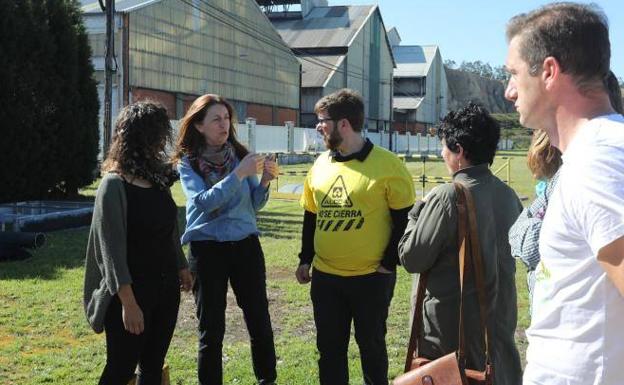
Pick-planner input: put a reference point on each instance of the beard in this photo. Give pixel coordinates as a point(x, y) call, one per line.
point(333, 140)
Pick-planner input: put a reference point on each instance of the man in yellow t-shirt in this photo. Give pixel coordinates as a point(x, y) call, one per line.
point(356, 199)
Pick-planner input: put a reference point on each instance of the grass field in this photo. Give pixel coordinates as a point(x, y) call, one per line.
point(44, 338)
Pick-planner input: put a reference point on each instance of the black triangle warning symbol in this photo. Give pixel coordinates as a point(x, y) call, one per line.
point(337, 195)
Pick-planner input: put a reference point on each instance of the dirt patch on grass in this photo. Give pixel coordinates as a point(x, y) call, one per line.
point(235, 329)
point(281, 317)
point(279, 273)
point(521, 344)
point(6, 340)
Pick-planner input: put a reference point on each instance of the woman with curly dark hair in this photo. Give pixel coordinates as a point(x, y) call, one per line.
point(430, 244)
point(134, 264)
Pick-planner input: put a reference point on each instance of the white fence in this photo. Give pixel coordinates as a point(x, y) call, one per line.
point(288, 139)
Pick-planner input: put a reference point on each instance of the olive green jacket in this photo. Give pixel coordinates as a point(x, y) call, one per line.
point(430, 244)
point(106, 267)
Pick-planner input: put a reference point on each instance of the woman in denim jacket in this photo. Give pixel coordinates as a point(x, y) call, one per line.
point(219, 179)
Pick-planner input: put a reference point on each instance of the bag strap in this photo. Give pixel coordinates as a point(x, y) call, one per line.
point(464, 253)
point(478, 268)
point(416, 329)
point(467, 240)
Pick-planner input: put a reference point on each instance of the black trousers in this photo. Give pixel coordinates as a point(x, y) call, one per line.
point(159, 303)
point(242, 264)
point(339, 300)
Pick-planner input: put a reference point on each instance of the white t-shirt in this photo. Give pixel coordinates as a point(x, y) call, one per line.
point(577, 330)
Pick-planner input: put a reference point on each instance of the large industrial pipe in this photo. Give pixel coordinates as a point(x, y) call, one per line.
point(18, 239)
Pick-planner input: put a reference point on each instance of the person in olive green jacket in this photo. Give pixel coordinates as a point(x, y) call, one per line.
point(469, 138)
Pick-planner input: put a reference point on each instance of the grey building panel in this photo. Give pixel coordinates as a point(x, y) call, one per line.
point(318, 68)
point(406, 102)
point(177, 48)
point(309, 97)
point(413, 61)
point(93, 6)
point(339, 11)
point(324, 27)
point(420, 83)
point(356, 49)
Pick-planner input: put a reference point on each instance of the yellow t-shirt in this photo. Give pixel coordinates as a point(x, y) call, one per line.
point(352, 202)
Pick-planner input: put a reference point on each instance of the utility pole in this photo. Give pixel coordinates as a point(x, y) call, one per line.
point(109, 69)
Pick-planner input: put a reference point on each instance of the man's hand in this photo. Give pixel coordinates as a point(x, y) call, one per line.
point(303, 274)
point(383, 270)
point(186, 279)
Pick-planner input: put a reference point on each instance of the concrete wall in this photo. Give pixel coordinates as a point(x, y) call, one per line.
point(412, 127)
point(284, 115)
point(167, 99)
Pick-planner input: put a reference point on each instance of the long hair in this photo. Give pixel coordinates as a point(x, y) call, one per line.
point(543, 159)
point(142, 132)
point(190, 141)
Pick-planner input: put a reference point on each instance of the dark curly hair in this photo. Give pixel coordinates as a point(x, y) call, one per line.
point(474, 129)
point(142, 133)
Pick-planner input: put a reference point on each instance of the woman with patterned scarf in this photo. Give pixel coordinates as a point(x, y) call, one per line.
point(219, 178)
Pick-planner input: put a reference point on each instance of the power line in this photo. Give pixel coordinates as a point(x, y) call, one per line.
point(269, 40)
point(230, 19)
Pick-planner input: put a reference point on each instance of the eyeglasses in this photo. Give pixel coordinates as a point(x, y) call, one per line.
point(323, 120)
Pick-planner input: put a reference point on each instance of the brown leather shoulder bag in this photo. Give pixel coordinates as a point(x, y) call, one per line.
point(450, 369)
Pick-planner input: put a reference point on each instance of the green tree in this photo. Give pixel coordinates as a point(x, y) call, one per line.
point(89, 105)
point(483, 69)
point(49, 100)
point(450, 64)
point(23, 100)
point(77, 98)
point(500, 73)
point(477, 67)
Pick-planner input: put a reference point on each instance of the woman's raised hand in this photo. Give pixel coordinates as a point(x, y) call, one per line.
point(251, 164)
point(270, 171)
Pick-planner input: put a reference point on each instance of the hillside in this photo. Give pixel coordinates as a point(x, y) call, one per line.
point(465, 87)
point(511, 129)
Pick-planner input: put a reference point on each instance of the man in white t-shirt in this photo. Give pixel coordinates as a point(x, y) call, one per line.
point(558, 59)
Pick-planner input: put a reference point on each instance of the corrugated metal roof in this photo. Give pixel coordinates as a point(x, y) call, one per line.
point(324, 26)
point(413, 60)
point(406, 102)
point(93, 6)
point(316, 75)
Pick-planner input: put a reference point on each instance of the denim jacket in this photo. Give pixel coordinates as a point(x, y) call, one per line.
point(223, 212)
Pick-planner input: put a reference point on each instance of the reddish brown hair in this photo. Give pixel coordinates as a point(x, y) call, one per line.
point(190, 141)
